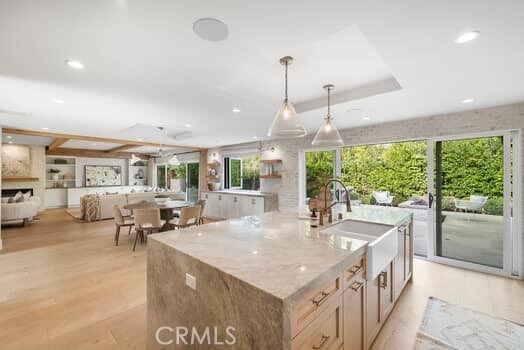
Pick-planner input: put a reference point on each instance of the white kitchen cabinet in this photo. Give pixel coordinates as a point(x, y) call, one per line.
point(55, 197)
point(229, 205)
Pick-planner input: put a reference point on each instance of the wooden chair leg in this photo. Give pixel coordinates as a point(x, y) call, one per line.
point(117, 234)
point(138, 233)
point(129, 233)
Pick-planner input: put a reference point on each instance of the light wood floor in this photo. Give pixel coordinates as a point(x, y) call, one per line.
point(64, 285)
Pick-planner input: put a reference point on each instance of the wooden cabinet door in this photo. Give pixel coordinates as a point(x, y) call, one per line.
point(373, 314)
point(354, 315)
point(408, 252)
point(222, 206)
point(258, 203)
point(399, 263)
point(387, 292)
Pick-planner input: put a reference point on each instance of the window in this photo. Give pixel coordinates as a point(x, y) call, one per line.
point(242, 172)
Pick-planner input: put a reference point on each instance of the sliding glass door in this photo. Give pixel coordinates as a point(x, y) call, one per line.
point(192, 181)
point(471, 198)
point(320, 167)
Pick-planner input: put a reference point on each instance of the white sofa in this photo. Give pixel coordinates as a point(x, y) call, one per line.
point(24, 212)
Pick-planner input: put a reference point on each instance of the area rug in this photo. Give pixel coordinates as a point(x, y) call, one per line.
point(452, 327)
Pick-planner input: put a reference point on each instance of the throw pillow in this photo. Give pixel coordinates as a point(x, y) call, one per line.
point(18, 195)
point(11, 200)
point(27, 195)
point(20, 199)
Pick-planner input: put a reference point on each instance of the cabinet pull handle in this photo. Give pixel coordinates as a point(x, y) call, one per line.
point(357, 286)
point(384, 279)
point(355, 269)
point(324, 341)
point(235, 199)
point(253, 201)
point(219, 198)
point(320, 301)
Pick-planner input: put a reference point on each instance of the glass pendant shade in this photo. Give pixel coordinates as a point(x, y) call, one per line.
point(174, 160)
point(328, 134)
point(286, 122)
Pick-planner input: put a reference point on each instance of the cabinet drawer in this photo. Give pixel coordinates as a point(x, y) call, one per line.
point(325, 332)
point(356, 270)
point(313, 303)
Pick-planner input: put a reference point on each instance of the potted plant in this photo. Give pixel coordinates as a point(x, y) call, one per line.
point(54, 173)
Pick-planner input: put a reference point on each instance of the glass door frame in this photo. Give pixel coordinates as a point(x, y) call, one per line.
point(188, 182)
point(512, 207)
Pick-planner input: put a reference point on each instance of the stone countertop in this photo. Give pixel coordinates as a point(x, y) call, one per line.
point(277, 252)
point(244, 193)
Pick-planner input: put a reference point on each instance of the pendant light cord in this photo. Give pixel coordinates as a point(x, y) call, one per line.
point(286, 81)
point(329, 102)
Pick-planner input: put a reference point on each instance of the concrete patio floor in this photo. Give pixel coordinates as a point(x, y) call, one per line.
point(475, 238)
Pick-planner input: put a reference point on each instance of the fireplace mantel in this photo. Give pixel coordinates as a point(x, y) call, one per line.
point(19, 179)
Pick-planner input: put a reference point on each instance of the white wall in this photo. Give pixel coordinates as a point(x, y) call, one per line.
point(81, 162)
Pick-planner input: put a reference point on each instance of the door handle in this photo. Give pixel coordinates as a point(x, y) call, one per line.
point(431, 198)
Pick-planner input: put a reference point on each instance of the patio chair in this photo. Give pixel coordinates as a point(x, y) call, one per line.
point(383, 197)
point(475, 203)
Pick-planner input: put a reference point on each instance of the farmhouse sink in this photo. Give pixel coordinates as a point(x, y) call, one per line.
point(382, 242)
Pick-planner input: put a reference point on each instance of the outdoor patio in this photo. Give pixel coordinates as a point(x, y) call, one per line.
point(476, 238)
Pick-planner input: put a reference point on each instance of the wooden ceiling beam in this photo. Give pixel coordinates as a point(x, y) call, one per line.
point(120, 149)
point(93, 139)
point(59, 141)
point(79, 152)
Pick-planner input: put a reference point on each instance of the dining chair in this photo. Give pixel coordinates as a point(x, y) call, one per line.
point(120, 222)
point(146, 220)
point(189, 216)
point(202, 204)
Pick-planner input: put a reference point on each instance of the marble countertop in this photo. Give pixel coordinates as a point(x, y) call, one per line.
point(276, 252)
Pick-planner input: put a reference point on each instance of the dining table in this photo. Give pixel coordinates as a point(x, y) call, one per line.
point(166, 208)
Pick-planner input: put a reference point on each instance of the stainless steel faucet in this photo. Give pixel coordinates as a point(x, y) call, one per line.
point(326, 207)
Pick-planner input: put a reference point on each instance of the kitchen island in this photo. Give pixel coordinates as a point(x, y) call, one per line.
point(271, 282)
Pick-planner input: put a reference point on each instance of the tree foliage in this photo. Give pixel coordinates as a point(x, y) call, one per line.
point(473, 166)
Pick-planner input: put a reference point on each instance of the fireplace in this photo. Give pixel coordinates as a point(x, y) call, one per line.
point(12, 191)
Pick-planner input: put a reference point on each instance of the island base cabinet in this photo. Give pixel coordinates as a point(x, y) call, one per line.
point(354, 303)
point(373, 315)
point(380, 300)
point(403, 263)
point(325, 332)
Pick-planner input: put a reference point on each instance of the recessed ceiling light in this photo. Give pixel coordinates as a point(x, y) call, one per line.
point(59, 101)
point(468, 100)
point(211, 29)
point(255, 137)
point(10, 142)
point(45, 128)
point(236, 110)
point(187, 126)
point(75, 64)
point(139, 139)
point(254, 252)
point(467, 37)
point(9, 136)
point(366, 118)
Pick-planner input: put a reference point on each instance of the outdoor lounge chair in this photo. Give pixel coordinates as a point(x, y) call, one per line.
point(383, 197)
point(475, 203)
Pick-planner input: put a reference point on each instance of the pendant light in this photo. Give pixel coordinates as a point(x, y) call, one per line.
point(328, 134)
point(174, 160)
point(286, 122)
point(134, 159)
